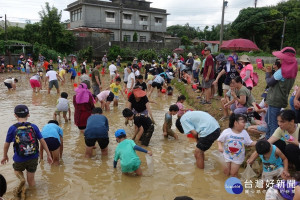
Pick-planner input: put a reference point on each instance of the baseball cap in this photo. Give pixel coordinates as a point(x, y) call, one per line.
point(120, 132)
point(21, 111)
point(207, 49)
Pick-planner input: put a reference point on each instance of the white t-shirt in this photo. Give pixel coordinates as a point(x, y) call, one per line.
point(35, 77)
point(137, 73)
point(112, 68)
point(62, 104)
point(125, 75)
point(129, 83)
point(9, 80)
point(52, 75)
point(159, 79)
point(234, 145)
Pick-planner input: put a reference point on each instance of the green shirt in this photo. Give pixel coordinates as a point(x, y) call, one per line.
point(95, 72)
point(127, 155)
point(279, 93)
point(245, 92)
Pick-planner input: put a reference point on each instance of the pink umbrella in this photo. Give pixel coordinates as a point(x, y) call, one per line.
point(178, 50)
point(239, 45)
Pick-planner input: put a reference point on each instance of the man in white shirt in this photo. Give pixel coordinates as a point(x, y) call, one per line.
point(112, 71)
point(136, 70)
point(53, 77)
point(131, 80)
point(196, 68)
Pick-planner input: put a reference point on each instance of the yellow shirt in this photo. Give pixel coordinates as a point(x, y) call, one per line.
point(279, 133)
point(115, 88)
point(62, 73)
point(150, 77)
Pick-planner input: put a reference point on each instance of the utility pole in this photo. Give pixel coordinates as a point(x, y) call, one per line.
point(5, 28)
point(121, 22)
point(222, 24)
point(255, 3)
point(283, 30)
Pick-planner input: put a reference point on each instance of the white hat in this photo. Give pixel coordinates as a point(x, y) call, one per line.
point(190, 54)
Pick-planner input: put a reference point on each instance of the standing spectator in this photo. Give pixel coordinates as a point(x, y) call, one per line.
point(247, 71)
point(96, 82)
point(83, 67)
point(119, 61)
point(131, 80)
point(104, 61)
point(189, 63)
point(280, 85)
point(112, 71)
point(221, 65)
point(208, 75)
point(41, 59)
point(196, 68)
point(126, 74)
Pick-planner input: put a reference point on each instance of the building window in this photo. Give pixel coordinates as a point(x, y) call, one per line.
point(127, 16)
point(143, 18)
point(76, 15)
point(145, 27)
point(112, 37)
point(158, 20)
point(143, 39)
point(110, 15)
point(127, 38)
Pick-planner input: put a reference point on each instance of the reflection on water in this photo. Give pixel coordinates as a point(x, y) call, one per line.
point(175, 173)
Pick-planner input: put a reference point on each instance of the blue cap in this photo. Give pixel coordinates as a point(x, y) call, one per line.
point(120, 132)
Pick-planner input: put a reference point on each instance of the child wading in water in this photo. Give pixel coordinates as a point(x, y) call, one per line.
point(232, 143)
point(125, 151)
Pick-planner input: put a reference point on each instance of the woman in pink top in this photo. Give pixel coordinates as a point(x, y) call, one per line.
point(105, 98)
point(181, 111)
point(247, 72)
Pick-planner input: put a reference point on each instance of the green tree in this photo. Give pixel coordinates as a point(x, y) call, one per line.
point(135, 37)
point(185, 40)
point(32, 33)
point(52, 31)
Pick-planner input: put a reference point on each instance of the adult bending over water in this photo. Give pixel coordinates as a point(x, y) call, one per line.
point(139, 104)
point(84, 104)
point(202, 124)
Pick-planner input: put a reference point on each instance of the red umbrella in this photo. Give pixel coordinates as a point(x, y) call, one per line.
point(239, 45)
point(178, 50)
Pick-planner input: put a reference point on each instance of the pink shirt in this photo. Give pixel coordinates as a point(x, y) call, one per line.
point(248, 82)
point(103, 95)
point(180, 112)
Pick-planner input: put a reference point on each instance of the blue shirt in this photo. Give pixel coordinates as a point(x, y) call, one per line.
point(96, 127)
point(278, 75)
point(52, 130)
point(73, 72)
point(202, 122)
point(273, 163)
point(10, 137)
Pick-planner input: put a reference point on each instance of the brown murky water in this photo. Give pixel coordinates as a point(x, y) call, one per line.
point(175, 173)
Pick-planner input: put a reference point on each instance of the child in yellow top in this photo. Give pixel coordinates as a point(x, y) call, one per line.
point(116, 89)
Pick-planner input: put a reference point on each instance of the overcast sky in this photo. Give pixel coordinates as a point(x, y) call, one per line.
point(197, 13)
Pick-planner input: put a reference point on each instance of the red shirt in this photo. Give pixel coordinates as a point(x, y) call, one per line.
point(209, 62)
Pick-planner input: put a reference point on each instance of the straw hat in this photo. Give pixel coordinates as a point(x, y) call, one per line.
point(244, 58)
point(190, 54)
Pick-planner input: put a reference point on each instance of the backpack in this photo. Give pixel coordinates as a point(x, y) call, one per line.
point(255, 79)
point(26, 142)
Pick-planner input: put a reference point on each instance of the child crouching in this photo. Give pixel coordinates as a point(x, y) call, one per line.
point(125, 151)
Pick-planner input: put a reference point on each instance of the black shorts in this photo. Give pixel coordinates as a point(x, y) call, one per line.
point(103, 142)
point(73, 77)
point(110, 97)
point(146, 136)
point(8, 85)
point(158, 85)
point(204, 143)
point(81, 127)
point(126, 82)
point(52, 143)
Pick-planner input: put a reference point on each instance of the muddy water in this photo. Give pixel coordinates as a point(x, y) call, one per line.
point(175, 173)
